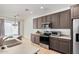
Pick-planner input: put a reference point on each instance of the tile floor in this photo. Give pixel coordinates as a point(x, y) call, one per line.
point(27, 47)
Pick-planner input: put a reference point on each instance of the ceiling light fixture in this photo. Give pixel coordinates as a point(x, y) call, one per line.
point(41, 7)
point(31, 12)
point(15, 22)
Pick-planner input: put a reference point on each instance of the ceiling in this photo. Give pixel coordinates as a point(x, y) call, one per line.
point(11, 10)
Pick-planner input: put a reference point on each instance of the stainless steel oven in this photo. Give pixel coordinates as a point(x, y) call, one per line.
point(44, 40)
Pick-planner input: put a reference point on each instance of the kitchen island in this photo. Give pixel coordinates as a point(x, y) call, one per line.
point(25, 48)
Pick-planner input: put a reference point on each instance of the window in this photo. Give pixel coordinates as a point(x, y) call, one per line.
point(11, 27)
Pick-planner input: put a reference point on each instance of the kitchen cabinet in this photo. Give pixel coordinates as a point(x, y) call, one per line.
point(35, 38)
point(59, 44)
point(35, 23)
point(32, 38)
point(61, 20)
point(64, 46)
point(54, 43)
point(65, 19)
point(55, 20)
point(75, 11)
point(48, 18)
point(44, 19)
point(40, 22)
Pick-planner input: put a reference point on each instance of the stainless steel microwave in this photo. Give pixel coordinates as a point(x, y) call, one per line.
point(47, 25)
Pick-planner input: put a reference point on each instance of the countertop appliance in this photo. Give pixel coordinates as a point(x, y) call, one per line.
point(55, 33)
point(46, 25)
point(75, 36)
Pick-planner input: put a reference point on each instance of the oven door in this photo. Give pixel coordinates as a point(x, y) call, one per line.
point(44, 40)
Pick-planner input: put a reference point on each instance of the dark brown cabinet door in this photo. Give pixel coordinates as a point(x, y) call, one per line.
point(44, 19)
point(64, 46)
point(55, 20)
point(48, 18)
point(51, 43)
point(54, 43)
point(65, 19)
point(39, 22)
point(75, 11)
point(32, 38)
point(35, 38)
point(35, 23)
point(61, 45)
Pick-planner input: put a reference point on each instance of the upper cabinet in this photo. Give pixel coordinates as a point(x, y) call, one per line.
point(44, 19)
point(35, 23)
point(75, 11)
point(48, 18)
point(61, 20)
point(55, 20)
point(40, 22)
point(65, 19)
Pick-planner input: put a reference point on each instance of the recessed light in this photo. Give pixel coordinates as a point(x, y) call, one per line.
point(31, 12)
point(41, 7)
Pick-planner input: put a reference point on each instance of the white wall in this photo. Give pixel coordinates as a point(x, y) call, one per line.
point(28, 27)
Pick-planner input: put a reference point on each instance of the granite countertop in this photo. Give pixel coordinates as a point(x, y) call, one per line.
point(62, 36)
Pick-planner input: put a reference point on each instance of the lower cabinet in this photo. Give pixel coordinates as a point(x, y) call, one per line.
point(54, 43)
point(61, 45)
point(64, 46)
point(35, 38)
point(32, 38)
point(58, 44)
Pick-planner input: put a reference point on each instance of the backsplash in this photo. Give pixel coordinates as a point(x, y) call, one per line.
point(63, 31)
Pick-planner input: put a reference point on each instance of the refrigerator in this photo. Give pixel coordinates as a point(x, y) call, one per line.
point(75, 36)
